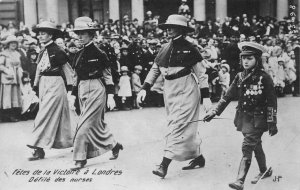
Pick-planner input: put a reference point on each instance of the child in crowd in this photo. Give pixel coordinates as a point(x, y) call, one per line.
point(136, 84)
point(290, 72)
point(72, 49)
point(32, 56)
point(125, 89)
point(224, 78)
point(279, 80)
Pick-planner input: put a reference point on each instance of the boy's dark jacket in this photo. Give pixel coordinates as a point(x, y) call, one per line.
point(257, 101)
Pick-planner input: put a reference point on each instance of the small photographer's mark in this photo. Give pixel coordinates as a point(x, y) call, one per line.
point(277, 178)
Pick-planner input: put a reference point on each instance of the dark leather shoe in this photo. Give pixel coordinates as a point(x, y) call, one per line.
point(161, 171)
point(262, 176)
point(238, 185)
point(199, 161)
point(78, 165)
point(115, 151)
point(37, 155)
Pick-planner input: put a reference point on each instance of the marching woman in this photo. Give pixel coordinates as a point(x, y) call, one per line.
point(92, 136)
point(54, 76)
point(180, 63)
point(256, 111)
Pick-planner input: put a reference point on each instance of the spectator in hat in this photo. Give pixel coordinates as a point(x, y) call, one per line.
point(125, 92)
point(92, 137)
point(224, 78)
point(291, 72)
point(136, 84)
point(184, 8)
point(11, 80)
point(280, 78)
point(32, 56)
point(53, 80)
point(23, 49)
point(61, 43)
point(179, 63)
point(148, 58)
point(71, 52)
point(125, 58)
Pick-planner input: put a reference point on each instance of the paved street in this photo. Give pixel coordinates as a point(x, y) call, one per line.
point(141, 132)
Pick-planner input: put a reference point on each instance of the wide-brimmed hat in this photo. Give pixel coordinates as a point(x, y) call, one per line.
point(47, 26)
point(176, 21)
point(84, 23)
point(9, 39)
point(251, 48)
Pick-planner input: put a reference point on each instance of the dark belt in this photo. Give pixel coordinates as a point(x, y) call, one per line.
point(51, 74)
point(181, 73)
point(91, 77)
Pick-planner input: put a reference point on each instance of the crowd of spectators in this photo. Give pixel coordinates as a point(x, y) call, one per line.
point(131, 49)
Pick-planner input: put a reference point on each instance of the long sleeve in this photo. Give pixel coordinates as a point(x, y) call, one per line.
point(69, 76)
point(108, 80)
point(151, 77)
point(271, 99)
point(3, 69)
point(199, 69)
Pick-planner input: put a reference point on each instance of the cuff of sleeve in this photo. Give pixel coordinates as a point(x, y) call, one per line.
point(74, 91)
point(146, 86)
point(69, 87)
point(110, 89)
point(204, 92)
point(271, 115)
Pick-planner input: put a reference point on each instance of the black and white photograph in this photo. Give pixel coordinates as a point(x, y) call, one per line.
point(149, 94)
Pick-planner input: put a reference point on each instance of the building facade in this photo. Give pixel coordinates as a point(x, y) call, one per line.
point(31, 11)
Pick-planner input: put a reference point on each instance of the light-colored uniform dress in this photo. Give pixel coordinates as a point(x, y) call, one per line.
point(52, 128)
point(10, 82)
point(182, 97)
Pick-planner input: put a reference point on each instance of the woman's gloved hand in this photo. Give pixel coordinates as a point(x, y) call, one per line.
point(111, 104)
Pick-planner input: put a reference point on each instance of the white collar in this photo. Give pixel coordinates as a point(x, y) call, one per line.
point(48, 43)
point(177, 37)
point(88, 43)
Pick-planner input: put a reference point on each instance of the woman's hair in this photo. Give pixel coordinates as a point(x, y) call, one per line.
point(181, 29)
point(90, 33)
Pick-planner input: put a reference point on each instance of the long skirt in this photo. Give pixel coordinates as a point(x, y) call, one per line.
point(182, 102)
point(93, 136)
point(52, 128)
point(10, 96)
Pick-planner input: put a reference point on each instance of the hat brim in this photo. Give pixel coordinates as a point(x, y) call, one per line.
point(55, 32)
point(256, 46)
point(9, 41)
point(52, 30)
point(186, 28)
point(85, 29)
